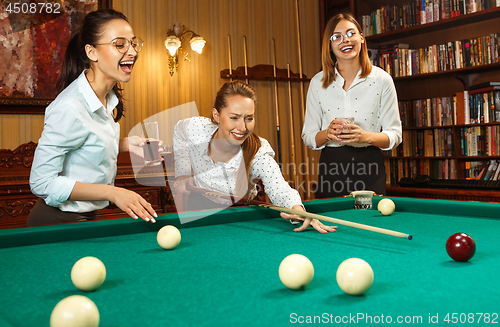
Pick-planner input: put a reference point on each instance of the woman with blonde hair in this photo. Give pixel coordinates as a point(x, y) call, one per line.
point(351, 113)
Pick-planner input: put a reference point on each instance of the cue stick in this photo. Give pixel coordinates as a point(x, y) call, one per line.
point(276, 107)
point(292, 134)
point(302, 111)
point(245, 55)
point(300, 56)
point(230, 57)
point(302, 213)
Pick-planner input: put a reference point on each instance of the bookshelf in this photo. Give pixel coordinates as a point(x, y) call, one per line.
point(436, 147)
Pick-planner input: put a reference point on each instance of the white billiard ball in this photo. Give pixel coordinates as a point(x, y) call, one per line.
point(88, 273)
point(168, 237)
point(75, 310)
point(386, 207)
point(355, 276)
point(296, 271)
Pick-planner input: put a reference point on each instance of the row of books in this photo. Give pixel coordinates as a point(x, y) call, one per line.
point(443, 169)
point(397, 169)
point(424, 143)
point(440, 169)
point(468, 107)
point(428, 112)
point(474, 141)
point(399, 61)
point(472, 169)
point(485, 171)
point(480, 141)
point(411, 168)
point(416, 12)
point(478, 106)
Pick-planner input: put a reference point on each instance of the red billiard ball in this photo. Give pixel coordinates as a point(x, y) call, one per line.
point(460, 247)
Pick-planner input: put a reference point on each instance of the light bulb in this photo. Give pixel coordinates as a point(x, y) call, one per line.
point(172, 43)
point(197, 43)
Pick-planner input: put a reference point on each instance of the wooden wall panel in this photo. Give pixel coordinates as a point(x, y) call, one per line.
point(18, 129)
point(152, 90)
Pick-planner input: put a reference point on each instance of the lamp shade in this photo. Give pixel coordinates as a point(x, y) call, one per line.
point(197, 43)
point(172, 43)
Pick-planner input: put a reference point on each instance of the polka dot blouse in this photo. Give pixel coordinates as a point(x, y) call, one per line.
point(191, 139)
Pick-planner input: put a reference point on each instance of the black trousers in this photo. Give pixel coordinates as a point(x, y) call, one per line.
point(43, 214)
point(345, 169)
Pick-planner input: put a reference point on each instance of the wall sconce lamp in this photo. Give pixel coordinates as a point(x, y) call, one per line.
point(173, 43)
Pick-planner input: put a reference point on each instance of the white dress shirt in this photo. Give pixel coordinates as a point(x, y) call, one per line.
point(372, 102)
point(191, 139)
point(79, 143)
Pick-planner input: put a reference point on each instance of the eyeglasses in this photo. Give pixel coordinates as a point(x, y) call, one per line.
point(122, 44)
point(338, 38)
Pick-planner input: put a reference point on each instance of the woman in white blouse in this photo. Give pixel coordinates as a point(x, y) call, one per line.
point(225, 155)
point(74, 166)
point(350, 87)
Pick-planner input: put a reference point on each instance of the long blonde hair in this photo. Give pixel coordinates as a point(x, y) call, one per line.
point(328, 59)
point(252, 143)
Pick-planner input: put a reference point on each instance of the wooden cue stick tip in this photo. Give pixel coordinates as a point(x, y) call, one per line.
point(308, 214)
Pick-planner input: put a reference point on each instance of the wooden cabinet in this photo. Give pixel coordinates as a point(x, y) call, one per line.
point(445, 82)
point(16, 199)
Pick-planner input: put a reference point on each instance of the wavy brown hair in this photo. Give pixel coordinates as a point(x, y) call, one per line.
point(252, 144)
point(328, 59)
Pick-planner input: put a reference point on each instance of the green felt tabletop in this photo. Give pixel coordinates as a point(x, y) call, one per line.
point(225, 270)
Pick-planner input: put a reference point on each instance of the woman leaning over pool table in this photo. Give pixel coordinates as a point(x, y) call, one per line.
point(226, 156)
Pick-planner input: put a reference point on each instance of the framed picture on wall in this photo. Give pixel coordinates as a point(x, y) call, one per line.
point(33, 39)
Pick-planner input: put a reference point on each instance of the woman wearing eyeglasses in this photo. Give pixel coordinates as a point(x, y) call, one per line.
point(350, 88)
point(75, 162)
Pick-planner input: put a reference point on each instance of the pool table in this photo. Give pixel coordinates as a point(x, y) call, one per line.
point(225, 270)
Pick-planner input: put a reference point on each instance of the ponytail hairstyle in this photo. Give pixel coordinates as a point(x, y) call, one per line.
point(328, 59)
point(252, 143)
point(75, 58)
